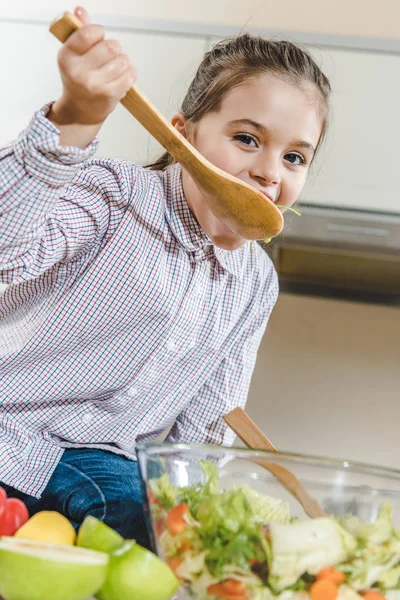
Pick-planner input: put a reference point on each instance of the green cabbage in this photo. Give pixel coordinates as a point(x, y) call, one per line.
point(306, 547)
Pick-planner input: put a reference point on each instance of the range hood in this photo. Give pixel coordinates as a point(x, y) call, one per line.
point(340, 253)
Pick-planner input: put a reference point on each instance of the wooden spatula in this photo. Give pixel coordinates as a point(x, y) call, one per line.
point(245, 428)
point(246, 211)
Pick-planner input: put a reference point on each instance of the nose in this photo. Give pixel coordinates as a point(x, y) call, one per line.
point(267, 170)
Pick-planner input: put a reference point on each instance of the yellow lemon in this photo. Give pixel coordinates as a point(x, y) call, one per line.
point(48, 526)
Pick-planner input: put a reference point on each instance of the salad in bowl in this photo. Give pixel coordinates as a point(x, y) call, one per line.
point(225, 539)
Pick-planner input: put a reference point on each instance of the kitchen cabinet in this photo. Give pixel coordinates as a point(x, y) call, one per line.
point(357, 166)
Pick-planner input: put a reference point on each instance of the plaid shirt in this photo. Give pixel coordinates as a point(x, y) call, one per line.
point(122, 319)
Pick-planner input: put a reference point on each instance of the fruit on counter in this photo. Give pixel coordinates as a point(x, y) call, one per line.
point(13, 514)
point(135, 573)
point(96, 535)
point(48, 526)
point(31, 570)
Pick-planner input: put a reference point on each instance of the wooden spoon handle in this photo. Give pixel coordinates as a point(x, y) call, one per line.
point(245, 210)
point(139, 106)
point(289, 481)
point(245, 428)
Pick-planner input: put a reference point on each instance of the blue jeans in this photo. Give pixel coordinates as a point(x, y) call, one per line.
point(98, 483)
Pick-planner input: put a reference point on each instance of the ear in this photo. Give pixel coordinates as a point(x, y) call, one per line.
point(179, 122)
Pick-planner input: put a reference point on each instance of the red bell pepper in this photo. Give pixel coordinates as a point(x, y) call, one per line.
point(13, 514)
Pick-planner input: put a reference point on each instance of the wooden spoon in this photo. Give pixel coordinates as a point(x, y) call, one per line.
point(246, 211)
point(245, 428)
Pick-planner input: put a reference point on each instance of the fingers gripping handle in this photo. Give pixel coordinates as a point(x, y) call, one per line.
point(62, 28)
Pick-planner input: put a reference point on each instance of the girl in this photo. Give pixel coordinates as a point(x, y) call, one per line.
point(131, 309)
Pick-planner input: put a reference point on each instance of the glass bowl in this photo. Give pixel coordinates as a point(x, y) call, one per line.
point(341, 487)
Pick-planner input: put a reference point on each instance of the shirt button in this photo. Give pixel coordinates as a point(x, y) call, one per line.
point(171, 345)
point(192, 344)
point(198, 290)
point(132, 391)
point(87, 418)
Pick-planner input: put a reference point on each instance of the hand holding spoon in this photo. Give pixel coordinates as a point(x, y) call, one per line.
point(245, 210)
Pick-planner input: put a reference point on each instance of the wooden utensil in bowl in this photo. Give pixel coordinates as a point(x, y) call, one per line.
point(247, 431)
point(245, 210)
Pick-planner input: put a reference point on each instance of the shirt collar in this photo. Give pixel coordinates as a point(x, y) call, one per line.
point(233, 261)
point(188, 231)
point(180, 218)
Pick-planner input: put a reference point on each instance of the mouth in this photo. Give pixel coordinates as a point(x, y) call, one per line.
point(269, 196)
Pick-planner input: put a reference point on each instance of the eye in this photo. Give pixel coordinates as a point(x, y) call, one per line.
point(295, 159)
point(246, 139)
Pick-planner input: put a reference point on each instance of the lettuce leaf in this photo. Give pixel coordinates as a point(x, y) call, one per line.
point(266, 509)
point(306, 547)
point(378, 551)
point(164, 491)
point(378, 532)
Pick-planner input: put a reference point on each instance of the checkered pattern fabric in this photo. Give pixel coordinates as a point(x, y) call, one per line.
point(120, 319)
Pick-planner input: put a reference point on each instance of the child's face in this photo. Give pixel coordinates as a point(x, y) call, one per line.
point(264, 133)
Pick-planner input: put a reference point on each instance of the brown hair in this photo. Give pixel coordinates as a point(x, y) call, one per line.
point(235, 60)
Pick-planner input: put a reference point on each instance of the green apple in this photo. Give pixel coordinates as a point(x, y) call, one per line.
point(96, 535)
point(31, 570)
point(134, 573)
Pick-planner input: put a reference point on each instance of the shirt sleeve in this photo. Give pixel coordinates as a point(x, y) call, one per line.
point(54, 202)
point(227, 388)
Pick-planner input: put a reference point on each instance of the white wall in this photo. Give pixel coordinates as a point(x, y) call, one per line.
point(33, 80)
point(327, 379)
point(348, 17)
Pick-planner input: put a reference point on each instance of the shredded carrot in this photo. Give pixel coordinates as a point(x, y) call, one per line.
point(174, 563)
point(175, 519)
point(332, 574)
point(373, 595)
point(324, 589)
point(152, 498)
point(231, 589)
point(233, 586)
point(185, 545)
point(159, 527)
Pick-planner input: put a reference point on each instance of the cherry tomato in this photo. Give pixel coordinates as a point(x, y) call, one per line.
point(13, 514)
